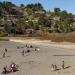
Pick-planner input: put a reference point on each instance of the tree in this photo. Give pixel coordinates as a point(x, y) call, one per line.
point(57, 11)
point(38, 6)
point(35, 7)
point(30, 24)
point(70, 18)
point(63, 15)
point(44, 21)
point(21, 5)
point(30, 11)
point(7, 27)
point(1, 7)
point(21, 23)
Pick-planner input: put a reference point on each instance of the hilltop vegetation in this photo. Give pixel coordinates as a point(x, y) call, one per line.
point(34, 20)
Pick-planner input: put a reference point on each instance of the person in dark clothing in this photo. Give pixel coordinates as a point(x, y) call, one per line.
point(4, 70)
point(4, 55)
point(63, 67)
point(31, 46)
point(55, 67)
point(18, 47)
point(5, 49)
point(28, 51)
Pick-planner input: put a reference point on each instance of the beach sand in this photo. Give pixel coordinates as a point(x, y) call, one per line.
point(37, 62)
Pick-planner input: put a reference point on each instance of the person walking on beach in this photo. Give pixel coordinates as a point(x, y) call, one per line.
point(4, 55)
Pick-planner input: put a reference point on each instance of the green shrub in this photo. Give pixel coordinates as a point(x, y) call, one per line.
point(2, 34)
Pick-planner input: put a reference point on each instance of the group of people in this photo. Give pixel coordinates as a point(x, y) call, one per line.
point(12, 68)
point(27, 46)
point(54, 67)
point(26, 49)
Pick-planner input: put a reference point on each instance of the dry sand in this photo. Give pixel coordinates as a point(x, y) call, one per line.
point(38, 62)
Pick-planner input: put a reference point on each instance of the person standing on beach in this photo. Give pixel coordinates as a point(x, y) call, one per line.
point(63, 67)
point(5, 49)
point(4, 55)
point(22, 53)
point(52, 67)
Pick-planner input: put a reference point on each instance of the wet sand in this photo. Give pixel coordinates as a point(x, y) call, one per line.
point(37, 62)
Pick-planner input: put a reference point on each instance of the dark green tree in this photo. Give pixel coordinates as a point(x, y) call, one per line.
point(21, 5)
point(44, 21)
point(57, 11)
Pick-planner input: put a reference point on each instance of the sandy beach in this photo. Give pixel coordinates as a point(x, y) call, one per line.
point(38, 62)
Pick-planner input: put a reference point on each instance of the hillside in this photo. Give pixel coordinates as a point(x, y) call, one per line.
point(33, 20)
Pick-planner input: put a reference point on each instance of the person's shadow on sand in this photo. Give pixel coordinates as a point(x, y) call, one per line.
point(66, 67)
